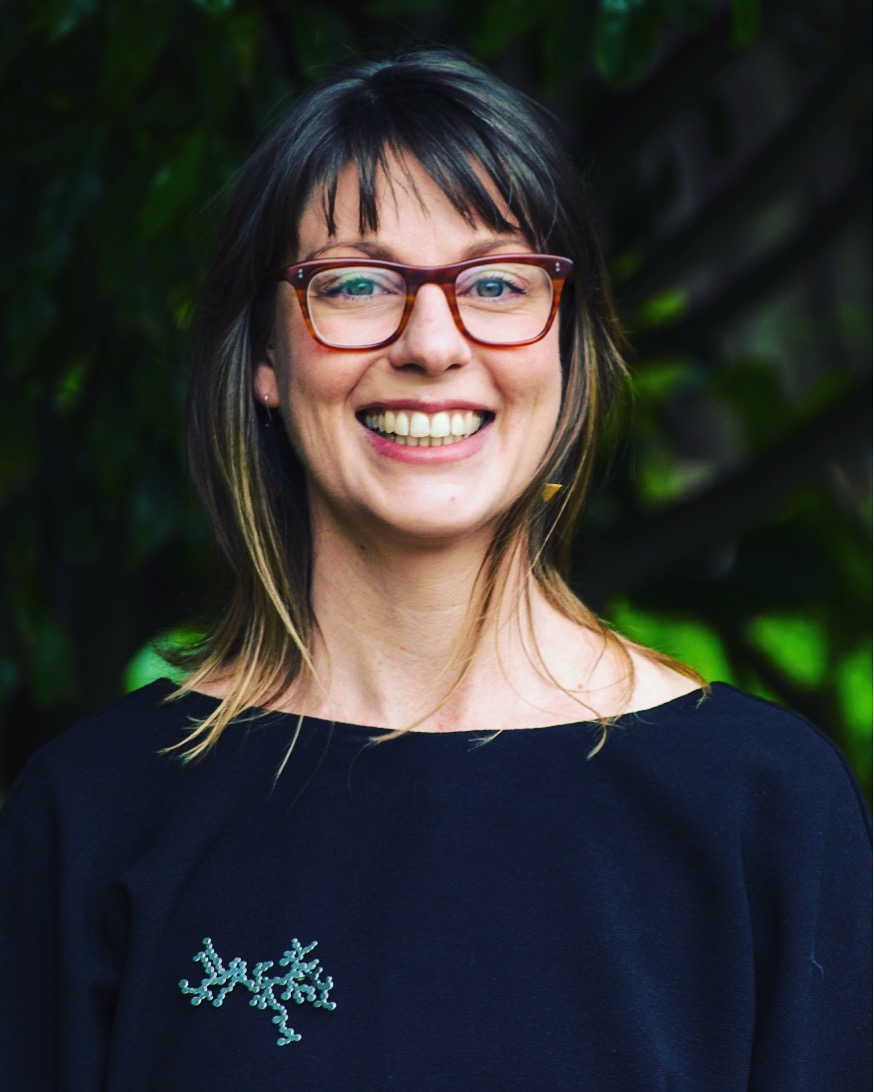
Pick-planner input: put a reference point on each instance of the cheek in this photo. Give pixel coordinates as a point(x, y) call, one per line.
point(541, 383)
point(546, 403)
point(318, 385)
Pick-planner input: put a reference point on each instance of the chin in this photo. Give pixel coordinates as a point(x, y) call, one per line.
point(417, 516)
point(425, 528)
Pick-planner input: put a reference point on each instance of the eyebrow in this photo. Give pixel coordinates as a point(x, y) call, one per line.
point(477, 249)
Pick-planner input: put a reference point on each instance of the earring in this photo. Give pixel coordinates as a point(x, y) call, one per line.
point(269, 412)
point(550, 490)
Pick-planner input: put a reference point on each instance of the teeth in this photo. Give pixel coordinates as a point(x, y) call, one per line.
point(417, 429)
point(440, 425)
point(420, 425)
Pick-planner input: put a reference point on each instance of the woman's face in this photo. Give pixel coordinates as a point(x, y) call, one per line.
point(363, 481)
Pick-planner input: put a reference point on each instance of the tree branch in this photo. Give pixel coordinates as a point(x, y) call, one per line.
point(833, 96)
point(635, 554)
point(751, 287)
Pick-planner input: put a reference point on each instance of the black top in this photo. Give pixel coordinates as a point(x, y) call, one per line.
point(686, 911)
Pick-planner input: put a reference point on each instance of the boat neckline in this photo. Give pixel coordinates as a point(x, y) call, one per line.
point(694, 697)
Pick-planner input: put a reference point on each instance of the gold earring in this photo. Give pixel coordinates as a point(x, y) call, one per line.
point(550, 490)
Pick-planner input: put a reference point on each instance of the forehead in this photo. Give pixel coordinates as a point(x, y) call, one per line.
point(398, 199)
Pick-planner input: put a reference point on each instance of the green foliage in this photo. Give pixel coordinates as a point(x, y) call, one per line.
point(853, 679)
point(729, 176)
point(629, 31)
point(747, 21)
point(627, 36)
point(150, 662)
point(55, 19)
point(796, 645)
point(693, 642)
point(662, 309)
point(505, 21)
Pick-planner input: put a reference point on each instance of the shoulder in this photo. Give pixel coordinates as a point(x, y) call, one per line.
point(108, 753)
point(722, 743)
point(141, 720)
point(755, 726)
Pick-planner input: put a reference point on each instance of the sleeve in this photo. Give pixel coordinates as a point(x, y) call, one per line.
point(55, 990)
point(812, 917)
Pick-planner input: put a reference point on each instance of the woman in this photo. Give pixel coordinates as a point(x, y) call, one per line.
point(417, 819)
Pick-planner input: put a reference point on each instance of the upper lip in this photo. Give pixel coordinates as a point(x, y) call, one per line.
point(413, 405)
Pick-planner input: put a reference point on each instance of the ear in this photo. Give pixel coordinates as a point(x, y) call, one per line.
point(264, 380)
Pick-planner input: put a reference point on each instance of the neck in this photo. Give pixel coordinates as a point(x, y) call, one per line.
point(392, 647)
point(391, 621)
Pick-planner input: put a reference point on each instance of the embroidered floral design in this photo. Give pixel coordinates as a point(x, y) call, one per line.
point(301, 982)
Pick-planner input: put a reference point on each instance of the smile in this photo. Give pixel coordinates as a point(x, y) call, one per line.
point(417, 429)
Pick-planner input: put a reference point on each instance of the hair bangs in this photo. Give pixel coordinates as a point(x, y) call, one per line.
point(484, 175)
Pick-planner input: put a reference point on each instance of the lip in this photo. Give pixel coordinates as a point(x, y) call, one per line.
point(412, 404)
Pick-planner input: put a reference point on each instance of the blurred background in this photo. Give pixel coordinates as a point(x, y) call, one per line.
point(727, 147)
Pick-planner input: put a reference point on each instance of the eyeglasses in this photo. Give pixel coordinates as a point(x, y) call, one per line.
point(365, 304)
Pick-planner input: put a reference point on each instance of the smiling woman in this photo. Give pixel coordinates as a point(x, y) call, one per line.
point(532, 853)
point(444, 279)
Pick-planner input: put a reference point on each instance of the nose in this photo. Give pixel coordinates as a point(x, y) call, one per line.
point(430, 341)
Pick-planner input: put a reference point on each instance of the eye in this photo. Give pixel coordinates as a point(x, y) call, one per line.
point(353, 284)
point(491, 287)
point(495, 284)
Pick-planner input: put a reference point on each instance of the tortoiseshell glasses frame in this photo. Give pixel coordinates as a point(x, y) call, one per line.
point(300, 276)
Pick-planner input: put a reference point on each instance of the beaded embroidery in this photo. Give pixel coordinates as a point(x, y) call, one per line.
point(301, 982)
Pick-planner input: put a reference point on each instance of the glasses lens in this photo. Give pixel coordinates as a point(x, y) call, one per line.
point(504, 303)
point(357, 305)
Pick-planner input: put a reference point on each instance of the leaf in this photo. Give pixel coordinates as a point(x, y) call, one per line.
point(68, 389)
point(134, 46)
point(853, 675)
point(55, 19)
point(746, 21)
point(662, 309)
point(147, 665)
point(796, 644)
point(176, 185)
point(753, 390)
point(626, 38)
point(686, 639)
point(504, 21)
point(244, 33)
point(214, 7)
point(660, 379)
